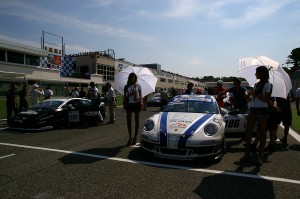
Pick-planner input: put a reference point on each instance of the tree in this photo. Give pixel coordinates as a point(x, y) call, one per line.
point(294, 58)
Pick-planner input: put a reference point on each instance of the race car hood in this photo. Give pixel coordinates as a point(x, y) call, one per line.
point(179, 123)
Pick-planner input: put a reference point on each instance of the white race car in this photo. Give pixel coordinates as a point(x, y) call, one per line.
point(189, 127)
point(235, 121)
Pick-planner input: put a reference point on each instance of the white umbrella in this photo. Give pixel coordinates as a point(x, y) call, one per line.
point(145, 78)
point(278, 77)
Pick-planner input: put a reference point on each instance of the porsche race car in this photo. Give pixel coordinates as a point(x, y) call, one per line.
point(189, 127)
point(58, 113)
point(235, 121)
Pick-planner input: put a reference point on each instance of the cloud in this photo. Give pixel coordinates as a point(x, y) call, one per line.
point(19, 41)
point(196, 62)
point(226, 12)
point(31, 12)
point(182, 8)
point(244, 12)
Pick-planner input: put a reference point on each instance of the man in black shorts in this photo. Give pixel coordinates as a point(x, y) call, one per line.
point(286, 116)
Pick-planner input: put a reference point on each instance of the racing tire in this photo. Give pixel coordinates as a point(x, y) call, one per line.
point(59, 123)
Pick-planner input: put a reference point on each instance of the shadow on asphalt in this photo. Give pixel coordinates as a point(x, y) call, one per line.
point(225, 186)
point(86, 156)
point(97, 154)
point(139, 155)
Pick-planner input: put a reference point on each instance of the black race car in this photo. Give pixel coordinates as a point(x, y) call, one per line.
point(59, 113)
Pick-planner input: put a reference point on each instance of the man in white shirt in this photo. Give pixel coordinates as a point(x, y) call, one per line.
point(93, 95)
point(111, 101)
point(35, 94)
point(297, 97)
point(75, 92)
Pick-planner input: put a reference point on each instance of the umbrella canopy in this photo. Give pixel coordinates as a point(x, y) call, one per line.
point(145, 78)
point(281, 81)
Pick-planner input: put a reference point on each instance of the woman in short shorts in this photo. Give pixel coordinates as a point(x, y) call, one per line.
point(258, 112)
point(132, 97)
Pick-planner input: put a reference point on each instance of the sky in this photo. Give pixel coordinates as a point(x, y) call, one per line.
point(194, 38)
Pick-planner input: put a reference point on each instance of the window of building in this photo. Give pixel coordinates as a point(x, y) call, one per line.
point(2, 55)
point(162, 79)
point(15, 57)
point(176, 82)
point(108, 72)
point(170, 81)
point(32, 60)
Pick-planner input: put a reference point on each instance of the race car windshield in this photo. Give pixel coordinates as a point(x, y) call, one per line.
point(192, 106)
point(49, 104)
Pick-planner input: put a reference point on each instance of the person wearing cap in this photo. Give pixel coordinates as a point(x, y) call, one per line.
point(239, 95)
point(35, 94)
point(94, 96)
point(11, 103)
point(111, 100)
point(189, 89)
point(219, 89)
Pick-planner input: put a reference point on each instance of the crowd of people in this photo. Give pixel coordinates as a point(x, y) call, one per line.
point(13, 107)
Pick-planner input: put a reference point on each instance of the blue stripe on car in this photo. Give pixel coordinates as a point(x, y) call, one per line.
point(163, 130)
point(189, 132)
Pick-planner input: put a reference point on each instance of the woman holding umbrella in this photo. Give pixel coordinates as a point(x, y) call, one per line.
point(258, 112)
point(132, 98)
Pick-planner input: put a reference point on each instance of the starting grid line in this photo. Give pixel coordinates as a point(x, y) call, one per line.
point(157, 164)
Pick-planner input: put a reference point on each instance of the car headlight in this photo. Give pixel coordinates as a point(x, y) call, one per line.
point(210, 129)
point(148, 125)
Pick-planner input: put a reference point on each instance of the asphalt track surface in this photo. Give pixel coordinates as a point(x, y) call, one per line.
point(95, 162)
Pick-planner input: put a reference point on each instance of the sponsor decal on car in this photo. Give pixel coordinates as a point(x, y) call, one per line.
point(73, 116)
point(91, 113)
point(29, 112)
point(189, 125)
